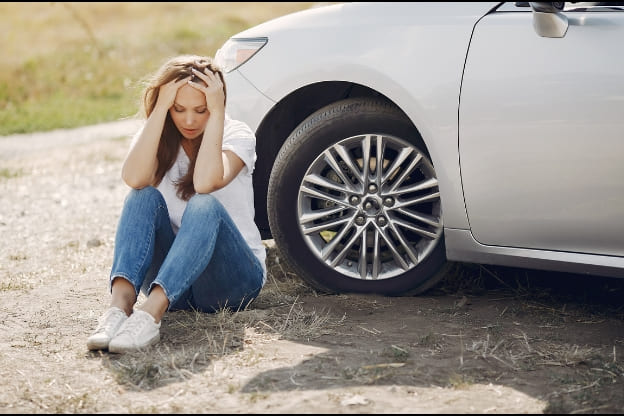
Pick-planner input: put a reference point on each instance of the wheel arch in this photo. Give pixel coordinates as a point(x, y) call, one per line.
point(283, 118)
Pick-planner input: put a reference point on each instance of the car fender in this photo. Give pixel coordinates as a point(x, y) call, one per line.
point(377, 40)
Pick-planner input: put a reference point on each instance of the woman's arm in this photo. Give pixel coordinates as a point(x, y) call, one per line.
point(139, 168)
point(214, 168)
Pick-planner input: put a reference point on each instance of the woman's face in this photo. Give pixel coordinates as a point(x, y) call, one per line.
point(189, 112)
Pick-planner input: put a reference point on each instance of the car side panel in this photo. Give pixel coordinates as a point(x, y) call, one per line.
point(461, 246)
point(541, 143)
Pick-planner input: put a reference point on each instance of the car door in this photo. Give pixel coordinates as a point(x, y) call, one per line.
point(541, 131)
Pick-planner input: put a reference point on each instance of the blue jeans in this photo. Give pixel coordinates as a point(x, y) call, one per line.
point(207, 266)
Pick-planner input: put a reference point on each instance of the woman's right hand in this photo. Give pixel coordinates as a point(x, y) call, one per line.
point(167, 93)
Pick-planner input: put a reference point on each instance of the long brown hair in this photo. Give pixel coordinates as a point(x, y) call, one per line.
point(175, 69)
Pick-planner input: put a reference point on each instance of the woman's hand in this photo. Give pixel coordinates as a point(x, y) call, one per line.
point(168, 92)
point(215, 96)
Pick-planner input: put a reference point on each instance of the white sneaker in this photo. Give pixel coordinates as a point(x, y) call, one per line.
point(107, 327)
point(140, 330)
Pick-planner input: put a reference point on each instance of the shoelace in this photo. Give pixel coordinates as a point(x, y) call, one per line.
point(131, 326)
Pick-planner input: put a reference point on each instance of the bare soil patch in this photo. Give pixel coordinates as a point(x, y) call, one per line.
point(486, 340)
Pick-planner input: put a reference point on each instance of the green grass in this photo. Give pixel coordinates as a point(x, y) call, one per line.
point(6, 173)
point(71, 64)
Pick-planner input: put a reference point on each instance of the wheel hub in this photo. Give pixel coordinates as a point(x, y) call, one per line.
point(372, 206)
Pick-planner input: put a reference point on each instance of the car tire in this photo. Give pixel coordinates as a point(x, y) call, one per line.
point(358, 230)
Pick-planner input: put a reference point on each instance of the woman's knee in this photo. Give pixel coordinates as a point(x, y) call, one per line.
point(149, 194)
point(203, 204)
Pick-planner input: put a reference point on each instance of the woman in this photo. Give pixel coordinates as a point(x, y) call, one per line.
point(186, 237)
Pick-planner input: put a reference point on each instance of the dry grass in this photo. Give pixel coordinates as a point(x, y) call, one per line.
point(519, 352)
point(192, 340)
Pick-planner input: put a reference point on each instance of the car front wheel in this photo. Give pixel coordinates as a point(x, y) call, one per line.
point(353, 202)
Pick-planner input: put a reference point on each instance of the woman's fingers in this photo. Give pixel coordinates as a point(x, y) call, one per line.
point(174, 85)
point(180, 82)
point(208, 77)
point(168, 91)
point(212, 87)
point(212, 81)
point(200, 75)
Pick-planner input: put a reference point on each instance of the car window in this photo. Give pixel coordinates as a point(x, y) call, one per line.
point(579, 6)
point(594, 6)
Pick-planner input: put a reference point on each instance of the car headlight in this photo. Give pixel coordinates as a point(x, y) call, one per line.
point(237, 51)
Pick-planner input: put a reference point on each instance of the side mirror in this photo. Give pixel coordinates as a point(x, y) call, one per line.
point(548, 22)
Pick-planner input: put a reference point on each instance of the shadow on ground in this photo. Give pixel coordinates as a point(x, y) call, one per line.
point(552, 336)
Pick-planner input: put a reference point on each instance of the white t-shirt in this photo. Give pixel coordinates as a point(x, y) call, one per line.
point(237, 196)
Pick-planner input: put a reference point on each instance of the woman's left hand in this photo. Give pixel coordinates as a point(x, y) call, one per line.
point(215, 96)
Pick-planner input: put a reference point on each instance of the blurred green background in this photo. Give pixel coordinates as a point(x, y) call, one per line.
point(72, 64)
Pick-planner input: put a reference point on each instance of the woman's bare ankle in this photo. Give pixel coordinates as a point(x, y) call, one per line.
point(124, 306)
point(123, 295)
point(156, 303)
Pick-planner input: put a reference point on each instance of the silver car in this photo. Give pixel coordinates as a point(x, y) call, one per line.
point(393, 137)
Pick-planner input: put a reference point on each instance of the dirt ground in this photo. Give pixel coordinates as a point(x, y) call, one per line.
point(486, 340)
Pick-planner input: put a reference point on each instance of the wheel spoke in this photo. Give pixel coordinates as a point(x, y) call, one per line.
point(341, 255)
point(331, 160)
point(414, 228)
point(418, 200)
point(362, 263)
point(366, 148)
point(322, 195)
point(325, 226)
point(376, 256)
point(380, 160)
point(408, 248)
point(426, 184)
point(406, 172)
point(319, 180)
point(396, 163)
point(395, 253)
point(427, 219)
point(348, 160)
point(329, 248)
point(307, 217)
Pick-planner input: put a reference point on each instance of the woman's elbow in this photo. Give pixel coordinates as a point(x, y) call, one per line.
point(206, 187)
point(135, 185)
point(134, 181)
